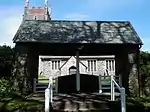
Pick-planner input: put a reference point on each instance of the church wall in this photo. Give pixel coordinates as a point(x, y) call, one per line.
point(71, 62)
point(101, 66)
point(46, 65)
point(25, 68)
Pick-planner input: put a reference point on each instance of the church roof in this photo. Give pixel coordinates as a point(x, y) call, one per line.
point(62, 31)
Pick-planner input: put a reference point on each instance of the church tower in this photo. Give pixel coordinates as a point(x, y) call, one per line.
point(36, 13)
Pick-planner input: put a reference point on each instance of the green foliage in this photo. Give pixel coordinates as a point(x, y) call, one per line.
point(16, 103)
point(6, 60)
point(145, 72)
point(5, 86)
point(139, 104)
point(6, 63)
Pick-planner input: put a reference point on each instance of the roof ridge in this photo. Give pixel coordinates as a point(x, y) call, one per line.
point(117, 21)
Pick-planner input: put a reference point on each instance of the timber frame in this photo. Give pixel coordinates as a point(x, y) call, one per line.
point(28, 49)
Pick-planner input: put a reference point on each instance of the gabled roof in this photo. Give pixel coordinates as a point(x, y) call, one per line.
point(69, 59)
point(55, 31)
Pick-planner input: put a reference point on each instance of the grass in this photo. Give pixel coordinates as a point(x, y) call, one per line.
point(15, 103)
point(106, 81)
point(43, 79)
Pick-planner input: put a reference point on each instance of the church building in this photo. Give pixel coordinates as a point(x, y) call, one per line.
point(66, 65)
point(83, 50)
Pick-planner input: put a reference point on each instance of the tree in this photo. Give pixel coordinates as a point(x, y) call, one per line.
point(145, 72)
point(6, 65)
point(6, 60)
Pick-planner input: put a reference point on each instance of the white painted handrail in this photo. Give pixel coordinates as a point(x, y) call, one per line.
point(116, 83)
point(122, 94)
point(49, 95)
point(106, 74)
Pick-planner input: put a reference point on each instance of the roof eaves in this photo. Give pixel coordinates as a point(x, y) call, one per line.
point(140, 41)
point(18, 31)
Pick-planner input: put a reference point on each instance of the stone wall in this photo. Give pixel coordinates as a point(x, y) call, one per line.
point(126, 67)
point(46, 68)
point(133, 75)
point(72, 62)
point(25, 68)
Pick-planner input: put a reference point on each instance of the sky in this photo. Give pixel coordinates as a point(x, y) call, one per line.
point(135, 11)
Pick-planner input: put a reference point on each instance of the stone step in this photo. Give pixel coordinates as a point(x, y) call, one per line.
point(97, 110)
point(79, 106)
point(80, 102)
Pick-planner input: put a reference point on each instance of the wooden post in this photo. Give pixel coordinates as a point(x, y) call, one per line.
point(120, 80)
point(77, 73)
point(47, 100)
point(56, 84)
point(34, 85)
point(123, 100)
point(112, 89)
point(122, 69)
point(100, 84)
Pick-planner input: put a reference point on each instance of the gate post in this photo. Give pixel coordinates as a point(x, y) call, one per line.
point(123, 100)
point(77, 72)
point(100, 84)
point(47, 100)
point(34, 85)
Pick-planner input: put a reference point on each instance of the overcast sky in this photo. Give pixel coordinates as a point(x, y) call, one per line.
point(135, 11)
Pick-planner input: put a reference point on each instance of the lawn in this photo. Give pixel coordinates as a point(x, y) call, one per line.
point(31, 103)
point(43, 79)
point(16, 103)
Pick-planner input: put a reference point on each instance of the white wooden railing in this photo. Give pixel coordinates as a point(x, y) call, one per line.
point(105, 83)
point(122, 94)
point(121, 90)
point(49, 92)
point(105, 80)
point(39, 85)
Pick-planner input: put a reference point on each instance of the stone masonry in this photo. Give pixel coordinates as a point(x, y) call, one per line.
point(45, 65)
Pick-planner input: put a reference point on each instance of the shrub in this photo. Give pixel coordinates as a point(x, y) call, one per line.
point(5, 86)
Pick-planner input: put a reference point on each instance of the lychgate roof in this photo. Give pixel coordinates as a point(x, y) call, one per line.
point(55, 31)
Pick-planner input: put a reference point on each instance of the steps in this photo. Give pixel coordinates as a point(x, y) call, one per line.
point(82, 102)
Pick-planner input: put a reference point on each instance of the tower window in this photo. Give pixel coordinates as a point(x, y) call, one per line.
point(35, 18)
